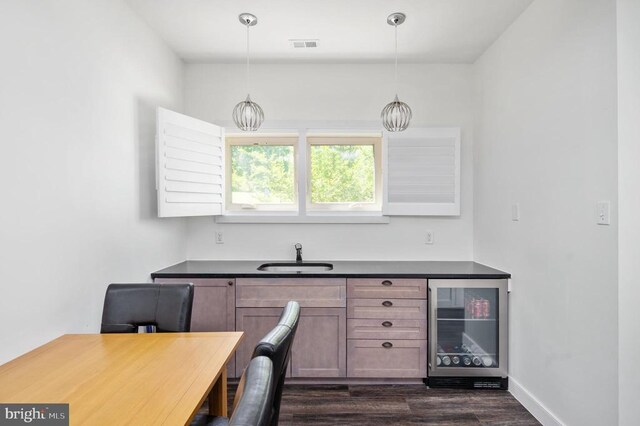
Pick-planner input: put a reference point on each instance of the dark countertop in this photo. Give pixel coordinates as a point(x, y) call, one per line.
point(364, 269)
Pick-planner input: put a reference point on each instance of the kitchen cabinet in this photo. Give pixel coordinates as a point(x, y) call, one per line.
point(214, 306)
point(352, 324)
point(411, 329)
point(387, 288)
point(213, 303)
point(387, 328)
point(276, 292)
point(256, 323)
point(387, 358)
point(387, 308)
point(319, 348)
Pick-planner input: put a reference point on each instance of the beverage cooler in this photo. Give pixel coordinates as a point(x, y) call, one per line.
point(468, 336)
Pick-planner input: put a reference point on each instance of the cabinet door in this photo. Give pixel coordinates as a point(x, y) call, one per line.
point(213, 306)
point(256, 323)
point(213, 303)
point(319, 348)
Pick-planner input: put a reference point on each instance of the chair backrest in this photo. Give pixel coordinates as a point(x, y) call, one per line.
point(277, 346)
point(128, 306)
point(255, 407)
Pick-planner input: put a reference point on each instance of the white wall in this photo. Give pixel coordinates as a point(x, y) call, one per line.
point(440, 95)
point(629, 208)
point(546, 139)
point(79, 83)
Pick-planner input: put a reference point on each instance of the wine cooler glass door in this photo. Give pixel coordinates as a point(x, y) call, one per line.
point(468, 323)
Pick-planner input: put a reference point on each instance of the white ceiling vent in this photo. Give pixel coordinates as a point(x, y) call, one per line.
point(303, 43)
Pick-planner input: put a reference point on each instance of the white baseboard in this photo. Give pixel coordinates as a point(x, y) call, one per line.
point(531, 403)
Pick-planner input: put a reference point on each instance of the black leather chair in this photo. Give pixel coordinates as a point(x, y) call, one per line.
point(277, 346)
point(128, 306)
point(255, 406)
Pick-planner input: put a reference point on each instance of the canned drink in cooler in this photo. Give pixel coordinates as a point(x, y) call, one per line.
point(485, 308)
point(477, 309)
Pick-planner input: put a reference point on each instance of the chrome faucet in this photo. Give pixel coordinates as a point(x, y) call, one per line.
point(298, 247)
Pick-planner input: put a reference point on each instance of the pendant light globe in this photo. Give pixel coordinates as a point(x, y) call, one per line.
point(396, 116)
point(248, 115)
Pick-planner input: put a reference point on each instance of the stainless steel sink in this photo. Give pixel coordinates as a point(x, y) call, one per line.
point(296, 267)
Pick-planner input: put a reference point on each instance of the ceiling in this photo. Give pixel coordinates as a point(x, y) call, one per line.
point(348, 31)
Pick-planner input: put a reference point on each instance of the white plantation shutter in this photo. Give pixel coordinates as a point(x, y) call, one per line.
point(190, 166)
point(422, 172)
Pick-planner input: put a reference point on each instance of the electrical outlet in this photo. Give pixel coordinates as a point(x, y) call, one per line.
point(429, 237)
point(219, 237)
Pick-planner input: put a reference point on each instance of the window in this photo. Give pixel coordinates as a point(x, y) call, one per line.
point(344, 173)
point(304, 176)
point(261, 173)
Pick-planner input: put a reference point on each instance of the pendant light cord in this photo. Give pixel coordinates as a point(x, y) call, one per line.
point(247, 59)
point(396, 66)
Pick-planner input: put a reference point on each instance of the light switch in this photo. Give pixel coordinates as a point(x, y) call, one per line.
point(604, 212)
point(515, 212)
point(428, 237)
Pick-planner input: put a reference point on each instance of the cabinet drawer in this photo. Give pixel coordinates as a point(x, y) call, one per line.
point(387, 329)
point(387, 358)
point(386, 309)
point(378, 288)
point(276, 292)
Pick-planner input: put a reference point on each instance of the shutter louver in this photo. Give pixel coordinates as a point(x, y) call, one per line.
point(423, 172)
point(190, 166)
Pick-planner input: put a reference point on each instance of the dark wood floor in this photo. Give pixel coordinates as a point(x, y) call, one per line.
point(328, 405)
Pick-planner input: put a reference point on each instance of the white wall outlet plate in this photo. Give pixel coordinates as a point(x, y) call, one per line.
point(219, 237)
point(603, 209)
point(429, 238)
point(515, 212)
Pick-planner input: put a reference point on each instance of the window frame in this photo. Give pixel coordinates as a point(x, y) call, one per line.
point(243, 139)
point(342, 138)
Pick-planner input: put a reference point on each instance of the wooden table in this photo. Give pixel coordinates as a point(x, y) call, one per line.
point(122, 379)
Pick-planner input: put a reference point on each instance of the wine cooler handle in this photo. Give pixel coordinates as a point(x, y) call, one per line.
point(387, 282)
point(387, 324)
point(387, 345)
point(387, 303)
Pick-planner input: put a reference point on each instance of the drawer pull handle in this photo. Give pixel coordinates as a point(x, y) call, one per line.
point(386, 282)
point(387, 345)
point(230, 282)
point(387, 303)
point(387, 324)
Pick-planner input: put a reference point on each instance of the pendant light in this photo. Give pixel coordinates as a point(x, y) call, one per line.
point(248, 115)
point(396, 115)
